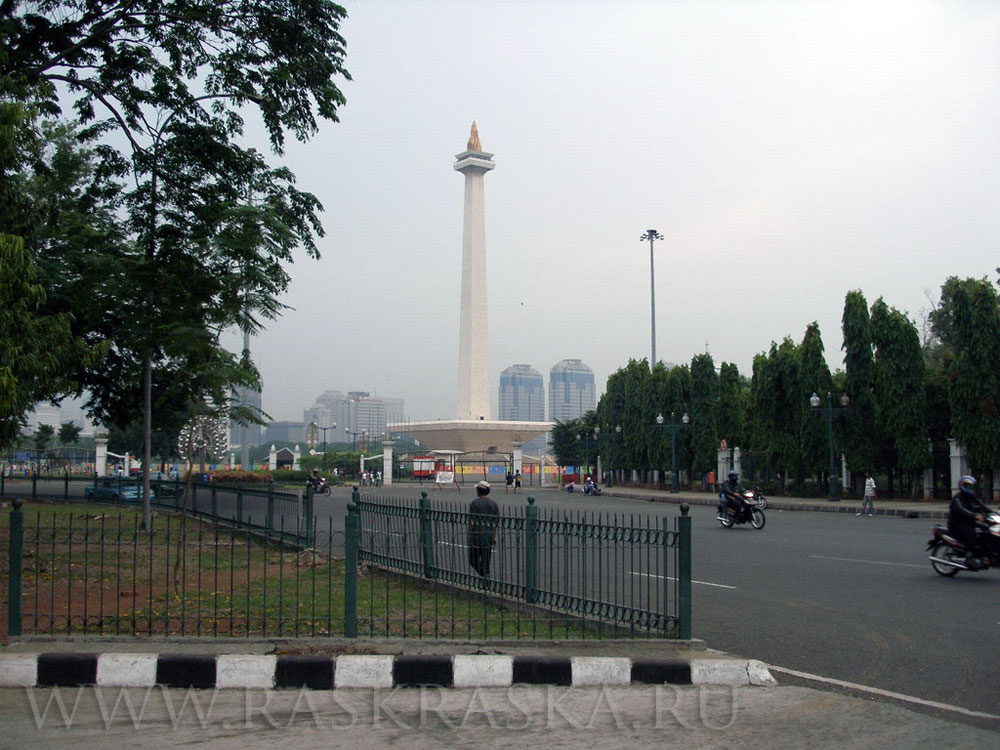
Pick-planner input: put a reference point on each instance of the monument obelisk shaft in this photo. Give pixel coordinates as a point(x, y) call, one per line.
point(473, 340)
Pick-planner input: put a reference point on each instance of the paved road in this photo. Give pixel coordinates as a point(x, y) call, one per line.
point(831, 594)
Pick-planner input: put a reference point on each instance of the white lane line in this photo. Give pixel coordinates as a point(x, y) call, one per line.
point(884, 693)
point(671, 578)
point(867, 562)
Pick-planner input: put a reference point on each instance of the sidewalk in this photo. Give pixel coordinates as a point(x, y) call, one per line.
point(905, 508)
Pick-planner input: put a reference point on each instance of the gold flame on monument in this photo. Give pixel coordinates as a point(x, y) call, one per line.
point(474, 144)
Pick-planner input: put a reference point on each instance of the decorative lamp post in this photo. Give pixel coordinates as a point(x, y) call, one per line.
point(650, 236)
point(673, 427)
point(606, 437)
point(324, 429)
point(830, 410)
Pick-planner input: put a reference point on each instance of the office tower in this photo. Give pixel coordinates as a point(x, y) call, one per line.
point(571, 390)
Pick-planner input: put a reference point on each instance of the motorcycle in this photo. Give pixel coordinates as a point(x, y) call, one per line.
point(747, 512)
point(756, 497)
point(948, 554)
point(591, 489)
point(320, 486)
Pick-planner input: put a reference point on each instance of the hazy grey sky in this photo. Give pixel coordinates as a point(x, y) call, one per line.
point(787, 151)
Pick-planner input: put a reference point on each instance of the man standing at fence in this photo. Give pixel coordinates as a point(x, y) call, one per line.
point(483, 515)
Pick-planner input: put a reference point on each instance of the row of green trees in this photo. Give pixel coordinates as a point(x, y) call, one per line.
point(136, 225)
point(907, 396)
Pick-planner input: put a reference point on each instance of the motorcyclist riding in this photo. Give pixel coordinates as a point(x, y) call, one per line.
point(731, 495)
point(965, 511)
point(314, 479)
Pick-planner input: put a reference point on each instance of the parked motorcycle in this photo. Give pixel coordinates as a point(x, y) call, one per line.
point(948, 554)
point(320, 486)
point(747, 512)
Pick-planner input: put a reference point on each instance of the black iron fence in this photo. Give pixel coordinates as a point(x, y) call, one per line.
point(400, 568)
point(283, 515)
point(631, 575)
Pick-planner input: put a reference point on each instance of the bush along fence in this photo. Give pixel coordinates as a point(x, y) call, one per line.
point(394, 568)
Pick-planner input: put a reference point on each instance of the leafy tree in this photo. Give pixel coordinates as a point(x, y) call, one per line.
point(69, 433)
point(814, 377)
point(38, 351)
point(860, 433)
point(900, 400)
point(732, 407)
point(704, 399)
point(42, 438)
point(209, 224)
point(776, 393)
point(967, 321)
point(639, 417)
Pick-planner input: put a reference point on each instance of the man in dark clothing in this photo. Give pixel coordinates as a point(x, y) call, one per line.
point(483, 517)
point(963, 513)
point(731, 494)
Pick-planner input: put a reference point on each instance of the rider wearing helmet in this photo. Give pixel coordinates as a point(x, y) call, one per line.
point(731, 494)
point(963, 513)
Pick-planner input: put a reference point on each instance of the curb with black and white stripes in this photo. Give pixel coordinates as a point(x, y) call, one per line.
point(365, 671)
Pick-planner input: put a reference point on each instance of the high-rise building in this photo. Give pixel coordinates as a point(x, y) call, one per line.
point(571, 390)
point(353, 413)
point(522, 394)
point(522, 398)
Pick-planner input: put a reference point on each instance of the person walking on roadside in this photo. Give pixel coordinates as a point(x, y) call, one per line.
point(509, 483)
point(869, 498)
point(483, 515)
point(517, 481)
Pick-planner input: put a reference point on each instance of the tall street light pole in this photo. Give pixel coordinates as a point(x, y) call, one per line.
point(651, 235)
point(830, 410)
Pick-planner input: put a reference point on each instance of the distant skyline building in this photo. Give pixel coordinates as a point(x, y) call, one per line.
point(571, 390)
point(521, 395)
point(353, 413)
point(522, 398)
point(253, 433)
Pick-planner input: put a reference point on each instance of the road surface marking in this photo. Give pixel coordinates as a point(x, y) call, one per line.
point(672, 578)
point(884, 693)
point(866, 562)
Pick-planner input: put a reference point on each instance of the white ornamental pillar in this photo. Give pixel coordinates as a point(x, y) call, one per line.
point(737, 463)
point(721, 465)
point(387, 446)
point(101, 456)
point(518, 458)
point(845, 475)
point(958, 468)
point(296, 455)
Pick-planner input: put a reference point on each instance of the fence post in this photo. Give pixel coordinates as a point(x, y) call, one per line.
point(270, 504)
point(3, 480)
point(66, 485)
point(684, 572)
point(307, 510)
point(352, 525)
point(34, 484)
point(531, 551)
point(14, 566)
point(427, 535)
point(239, 501)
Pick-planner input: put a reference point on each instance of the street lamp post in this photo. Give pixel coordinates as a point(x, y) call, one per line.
point(651, 235)
point(830, 410)
point(354, 439)
point(673, 427)
point(324, 429)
